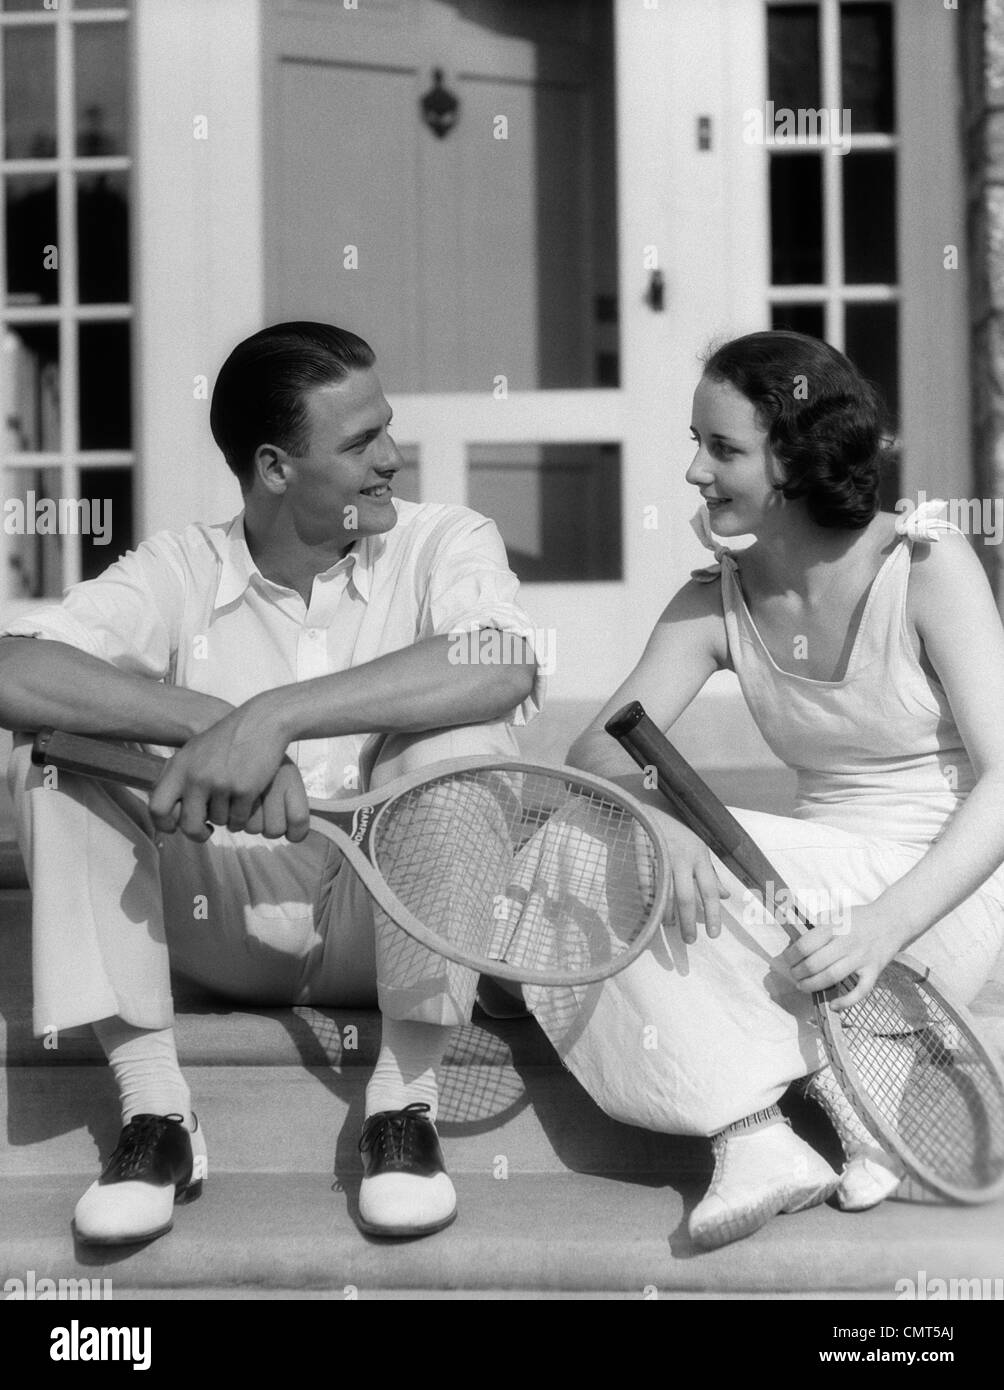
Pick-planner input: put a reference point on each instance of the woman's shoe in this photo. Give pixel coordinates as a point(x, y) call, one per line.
point(405, 1189)
point(157, 1162)
point(761, 1168)
point(870, 1175)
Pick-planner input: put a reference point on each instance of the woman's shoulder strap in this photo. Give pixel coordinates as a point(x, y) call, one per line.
point(926, 522)
point(702, 530)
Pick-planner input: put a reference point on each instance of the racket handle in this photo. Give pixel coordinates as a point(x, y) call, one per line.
point(97, 757)
point(698, 806)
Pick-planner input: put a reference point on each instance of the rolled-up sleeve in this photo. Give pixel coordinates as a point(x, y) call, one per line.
point(129, 616)
point(471, 587)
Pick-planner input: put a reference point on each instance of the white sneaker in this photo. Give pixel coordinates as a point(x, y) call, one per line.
point(870, 1176)
point(758, 1173)
point(156, 1163)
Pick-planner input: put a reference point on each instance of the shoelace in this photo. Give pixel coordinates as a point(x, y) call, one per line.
point(393, 1129)
point(142, 1134)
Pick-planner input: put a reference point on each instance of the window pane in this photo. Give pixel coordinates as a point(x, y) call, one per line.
point(32, 241)
point(800, 318)
point(32, 542)
point(558, 507)
point(796, 219)
point(890, 479)
point(29, 74)
point(103, 238)
point(21, 4)
point(106, 520)
point(105, 386)
point(866, 66)
point(870, 219)
point(872, 338)
point(793, 57)
point(31, 388)
point(102, 65)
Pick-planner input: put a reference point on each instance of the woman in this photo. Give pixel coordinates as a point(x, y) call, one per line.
point(871, 654)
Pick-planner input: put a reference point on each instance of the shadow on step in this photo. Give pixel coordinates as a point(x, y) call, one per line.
point(500, 1078)
point(493, 1071)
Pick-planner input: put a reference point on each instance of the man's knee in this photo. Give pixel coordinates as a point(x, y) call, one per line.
point(397, 755)
point(19, 766)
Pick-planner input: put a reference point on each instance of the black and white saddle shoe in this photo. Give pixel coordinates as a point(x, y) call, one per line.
point(406, 1190)
point(157, 1162)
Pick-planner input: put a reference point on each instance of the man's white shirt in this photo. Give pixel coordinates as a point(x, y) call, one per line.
point(191, 608)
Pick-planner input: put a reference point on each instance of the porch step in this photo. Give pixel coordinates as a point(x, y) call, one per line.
point(556, 1199)
point(547, 1232)
point(62, 1120)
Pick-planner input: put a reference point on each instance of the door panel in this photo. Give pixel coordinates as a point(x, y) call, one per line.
point(525, 301)
point(345, 177)
point(480, 253)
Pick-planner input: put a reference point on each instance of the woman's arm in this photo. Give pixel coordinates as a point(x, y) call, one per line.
point(46, 683)
point(687, 645)
point(953, 611)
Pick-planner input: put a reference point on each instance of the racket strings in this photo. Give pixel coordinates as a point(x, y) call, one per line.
point(928, 1080)
point(536, 870)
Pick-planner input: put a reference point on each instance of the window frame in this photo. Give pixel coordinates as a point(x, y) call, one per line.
point(67, 314)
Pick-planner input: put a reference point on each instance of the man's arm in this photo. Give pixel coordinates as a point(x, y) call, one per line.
point(219, 774)
point(408, 691)
point(43, 682)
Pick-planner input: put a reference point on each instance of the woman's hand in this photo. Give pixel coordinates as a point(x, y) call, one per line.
point(861, 941)
point(697, 889)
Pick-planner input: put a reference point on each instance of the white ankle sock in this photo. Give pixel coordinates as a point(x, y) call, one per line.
point(144, 1062)
point(410, 1054)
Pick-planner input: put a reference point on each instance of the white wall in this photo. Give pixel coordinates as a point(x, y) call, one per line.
point(199, 241)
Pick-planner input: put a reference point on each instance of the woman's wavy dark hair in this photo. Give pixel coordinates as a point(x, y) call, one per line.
point(824, 421)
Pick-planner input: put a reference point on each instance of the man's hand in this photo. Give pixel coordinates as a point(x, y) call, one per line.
point(234, 774)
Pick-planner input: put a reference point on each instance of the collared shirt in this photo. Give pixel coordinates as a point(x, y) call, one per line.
point(191, 608)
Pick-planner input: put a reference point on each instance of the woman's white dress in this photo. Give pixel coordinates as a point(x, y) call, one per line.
point(690, 1038)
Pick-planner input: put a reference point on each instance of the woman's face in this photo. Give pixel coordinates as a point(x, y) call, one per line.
point(733, 466)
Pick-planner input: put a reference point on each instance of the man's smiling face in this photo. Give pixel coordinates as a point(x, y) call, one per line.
point(339, 489)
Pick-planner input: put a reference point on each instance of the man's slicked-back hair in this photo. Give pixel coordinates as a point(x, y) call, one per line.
point(260, 393)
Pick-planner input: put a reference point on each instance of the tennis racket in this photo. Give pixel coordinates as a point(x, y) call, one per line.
point(910, 1062)
point(544, 875)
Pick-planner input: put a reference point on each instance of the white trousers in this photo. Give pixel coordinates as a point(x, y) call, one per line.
point(688, 1039)
point(115, 905)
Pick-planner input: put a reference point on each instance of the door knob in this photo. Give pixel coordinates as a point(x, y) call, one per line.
point(655, 295)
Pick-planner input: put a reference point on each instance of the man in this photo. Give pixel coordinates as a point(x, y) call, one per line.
point(301, 649)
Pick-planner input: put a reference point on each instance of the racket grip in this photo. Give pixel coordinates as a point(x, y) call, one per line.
point(97, 757)
point(692, 799)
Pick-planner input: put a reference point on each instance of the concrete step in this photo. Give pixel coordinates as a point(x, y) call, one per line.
point(556, 1199)
point(307, 1119)
point(256, 1232)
